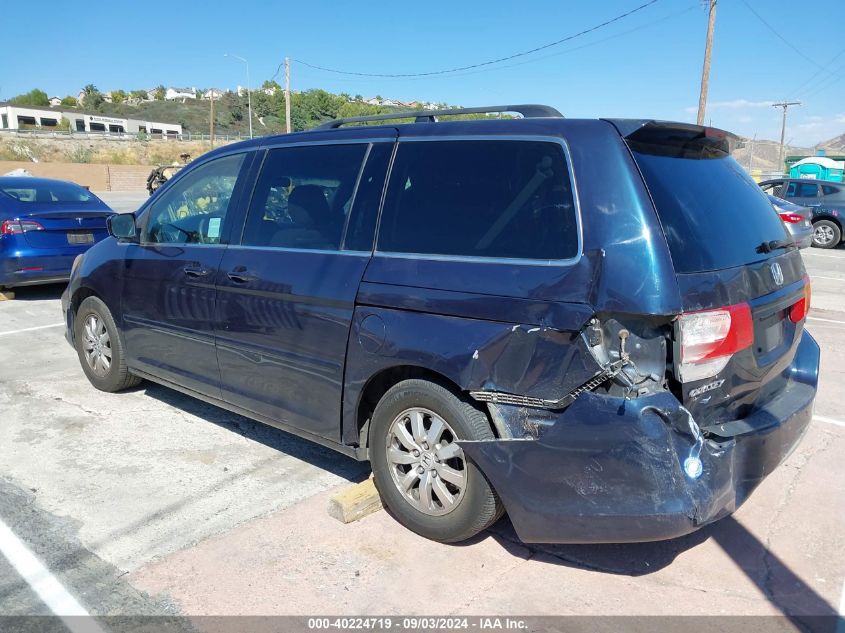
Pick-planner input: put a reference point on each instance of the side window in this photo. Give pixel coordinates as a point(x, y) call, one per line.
point(362, 223)
point(791, 190)
point(808, 190)
point(774, 188)
point(830, 191)
point(303, 196)
point(484, 198)
point(194, 209)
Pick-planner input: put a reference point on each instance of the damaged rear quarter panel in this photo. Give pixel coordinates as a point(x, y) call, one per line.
point(536, 360)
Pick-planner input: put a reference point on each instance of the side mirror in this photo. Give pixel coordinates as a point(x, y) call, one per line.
point(122, 226)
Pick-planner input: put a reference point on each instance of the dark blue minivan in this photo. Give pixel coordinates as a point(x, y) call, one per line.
point(596, 326)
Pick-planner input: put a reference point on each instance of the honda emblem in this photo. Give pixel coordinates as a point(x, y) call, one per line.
point(777, 274)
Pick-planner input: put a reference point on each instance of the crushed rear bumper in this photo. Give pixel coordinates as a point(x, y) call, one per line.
point(609, 470)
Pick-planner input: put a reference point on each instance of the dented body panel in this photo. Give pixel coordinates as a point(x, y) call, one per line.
point(610, 470)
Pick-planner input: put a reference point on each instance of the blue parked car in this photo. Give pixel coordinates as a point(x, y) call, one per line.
point(565, 320)
point(44, 225)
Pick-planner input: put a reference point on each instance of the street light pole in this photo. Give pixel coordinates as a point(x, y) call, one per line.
point(248, 90)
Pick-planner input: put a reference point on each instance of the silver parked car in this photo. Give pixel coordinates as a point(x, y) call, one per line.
point(797, 219)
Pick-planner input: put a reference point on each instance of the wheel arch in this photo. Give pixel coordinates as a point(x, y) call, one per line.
point(379, 384)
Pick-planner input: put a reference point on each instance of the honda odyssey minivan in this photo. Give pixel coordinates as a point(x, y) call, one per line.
point(596, 326)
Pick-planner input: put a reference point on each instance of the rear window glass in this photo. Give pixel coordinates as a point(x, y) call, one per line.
point(482, 198)
point(48, 192)
point(713, 214)
point(830, 191)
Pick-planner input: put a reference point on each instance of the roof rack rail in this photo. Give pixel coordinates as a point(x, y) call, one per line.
point(527, 110)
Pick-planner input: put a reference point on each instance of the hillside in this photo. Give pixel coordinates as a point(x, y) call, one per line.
point(308, 109)
point(763, 155)
point(835, 145)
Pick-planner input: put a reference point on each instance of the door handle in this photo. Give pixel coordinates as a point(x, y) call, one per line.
point(196, 271)
point(240, 275)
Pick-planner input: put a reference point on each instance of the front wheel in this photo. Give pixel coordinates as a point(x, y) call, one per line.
point(99, 347)
point(826, 234)
point(421, 472)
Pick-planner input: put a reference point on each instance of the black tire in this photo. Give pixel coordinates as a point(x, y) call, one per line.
point(116, 377)
point(479, 507)
point(828, 228)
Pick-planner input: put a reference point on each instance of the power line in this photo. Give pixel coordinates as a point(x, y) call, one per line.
point(818, 72)
point(783, 39)
point(534, 60)
point(486, 63)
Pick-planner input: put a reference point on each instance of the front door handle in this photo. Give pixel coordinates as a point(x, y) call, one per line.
point(196, 271)
point(240, 275)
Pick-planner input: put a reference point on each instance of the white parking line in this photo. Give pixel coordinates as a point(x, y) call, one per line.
point(831, 278)
point(820, 255)
point(32, 329)
point(822, 418)
point(809, 318)
point(45, 584)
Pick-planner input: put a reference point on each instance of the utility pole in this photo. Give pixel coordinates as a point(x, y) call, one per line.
point(751, 154)
point(287, 94)
point(705, 72)
point(211, 118)
point(785, 105)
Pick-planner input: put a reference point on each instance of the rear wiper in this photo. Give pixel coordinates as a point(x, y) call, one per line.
point(773, 245)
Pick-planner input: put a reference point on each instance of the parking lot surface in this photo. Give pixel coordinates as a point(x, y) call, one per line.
point(149, 502)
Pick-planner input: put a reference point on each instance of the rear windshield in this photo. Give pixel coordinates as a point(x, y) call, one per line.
point(713, 214)
point(48, 192)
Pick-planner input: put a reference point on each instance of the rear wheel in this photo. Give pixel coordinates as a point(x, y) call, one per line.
point(421, 472)
point(100, 349)
point(826, 234)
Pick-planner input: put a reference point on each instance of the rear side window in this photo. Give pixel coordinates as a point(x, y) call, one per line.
point(303, 197)
point(713, 214)
point(774, 188)
point(480, 198)
point(830, 191)
point(807, 190)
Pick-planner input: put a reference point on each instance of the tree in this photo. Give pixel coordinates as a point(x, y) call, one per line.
point(70, 102)
point(91, 96)
point(159, 93)
point(272, 85)
point(140, 95)
point(34, 97)
point(118, 96)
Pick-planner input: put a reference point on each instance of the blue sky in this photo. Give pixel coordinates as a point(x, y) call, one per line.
point(647, 65)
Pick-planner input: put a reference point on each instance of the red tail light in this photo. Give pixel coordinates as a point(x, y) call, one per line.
point(16, 227)
point(800, 308)
point(708, 339)
point(791, 218)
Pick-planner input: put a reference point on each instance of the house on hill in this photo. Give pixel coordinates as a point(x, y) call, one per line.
point(55, 101)
point(176, 94)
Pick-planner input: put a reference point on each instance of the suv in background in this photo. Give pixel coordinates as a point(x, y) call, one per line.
point(825, 198)
point(562, 319)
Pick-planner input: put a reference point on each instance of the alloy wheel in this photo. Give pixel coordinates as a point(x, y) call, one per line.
point(425, 462)
point(823, 234)
point(96, 345)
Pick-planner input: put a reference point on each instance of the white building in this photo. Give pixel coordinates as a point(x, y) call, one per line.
point(14, 117)
point(176, 94)
point(212, 93)
point(55, 102)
